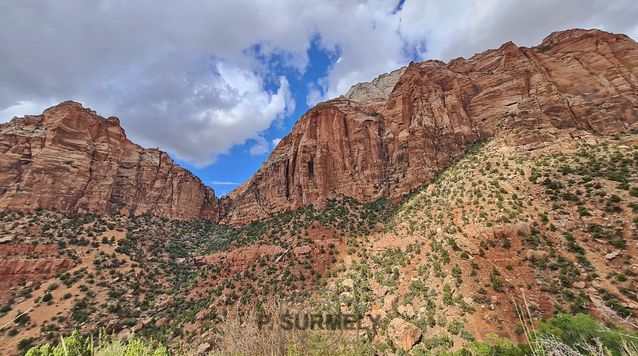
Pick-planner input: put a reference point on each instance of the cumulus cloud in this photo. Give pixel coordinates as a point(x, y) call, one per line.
point(179, 77)
point(315, 94)
point(261, 146)
point(462, 28)
point(375, 41)
point(188, 79)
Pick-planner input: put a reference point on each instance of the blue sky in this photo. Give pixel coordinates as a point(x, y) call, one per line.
point(238, 165)
point(215, 83)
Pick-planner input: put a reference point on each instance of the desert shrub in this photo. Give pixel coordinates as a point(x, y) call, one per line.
point(47, 297)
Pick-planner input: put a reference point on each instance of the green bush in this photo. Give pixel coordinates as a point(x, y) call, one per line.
point(574, 330)
point(78, 345)
point(493, 345)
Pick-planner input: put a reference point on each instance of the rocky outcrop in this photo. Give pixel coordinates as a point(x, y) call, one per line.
point(403, 334)
point(70, 159)
point(333, 149)
point(21, 263)
point(377, 90)
point(376, 143)
point(240, 258)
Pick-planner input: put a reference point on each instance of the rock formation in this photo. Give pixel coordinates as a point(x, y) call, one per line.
point(378, 90)
point(382, 139)
point(368, 145)
point(69, 159)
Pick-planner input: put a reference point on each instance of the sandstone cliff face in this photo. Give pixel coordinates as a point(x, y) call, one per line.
point(382, 139)
point(368, 145)
point(69, 159)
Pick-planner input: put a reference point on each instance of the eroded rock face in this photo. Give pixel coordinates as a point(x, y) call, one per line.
point(29, 262)
point(239, 258)
point(369, 144)
point(69, 159)
point(333, 149)
point(382, 139)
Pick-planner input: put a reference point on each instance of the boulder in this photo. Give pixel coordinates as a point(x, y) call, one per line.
point(403, 334)
point(348, 283)
point(612, 255)
point(389, 301)
point(579, 284)
point(406, 311)
point(533, 255)
point(203, 348)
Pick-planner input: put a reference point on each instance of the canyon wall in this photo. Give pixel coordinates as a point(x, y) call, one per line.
point(382, 139)
point(376, 143)
point(70, 159)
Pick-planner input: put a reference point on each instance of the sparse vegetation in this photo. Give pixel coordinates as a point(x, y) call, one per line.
point(453, 253)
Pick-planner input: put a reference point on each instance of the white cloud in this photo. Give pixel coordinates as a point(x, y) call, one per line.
point(462, 28)
point(21, 108)
point(188, 79)
point(315, 95)
point(260, 147)
point(203, 115)
point(221, 182)
point(449, 29)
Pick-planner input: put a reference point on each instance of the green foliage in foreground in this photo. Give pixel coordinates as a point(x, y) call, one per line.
point(580, 330)
point(579, 334)
point(78, 345)
point(493, 345)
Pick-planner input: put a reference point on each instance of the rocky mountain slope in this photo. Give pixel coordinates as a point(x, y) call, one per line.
point(550, 225)
point(69, 159)
point(552, 228)
point(439, 198)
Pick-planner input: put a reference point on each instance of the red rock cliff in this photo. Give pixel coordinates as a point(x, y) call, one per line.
point(70, 159)
point(382, 139)
point(389, 136)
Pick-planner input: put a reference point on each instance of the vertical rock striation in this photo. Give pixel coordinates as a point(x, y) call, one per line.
point(379, 142)
point(382, 139)
point(69, 159)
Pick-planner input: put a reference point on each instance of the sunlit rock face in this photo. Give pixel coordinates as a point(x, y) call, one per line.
point(70, 159)
point(382, 139)
point(387, 137)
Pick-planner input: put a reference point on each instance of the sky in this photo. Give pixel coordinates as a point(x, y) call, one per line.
point(218, 83)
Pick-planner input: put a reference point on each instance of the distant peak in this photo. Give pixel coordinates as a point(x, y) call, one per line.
point(69, 105)
point(376, 89)
point(66, 104)
point(566, 35)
